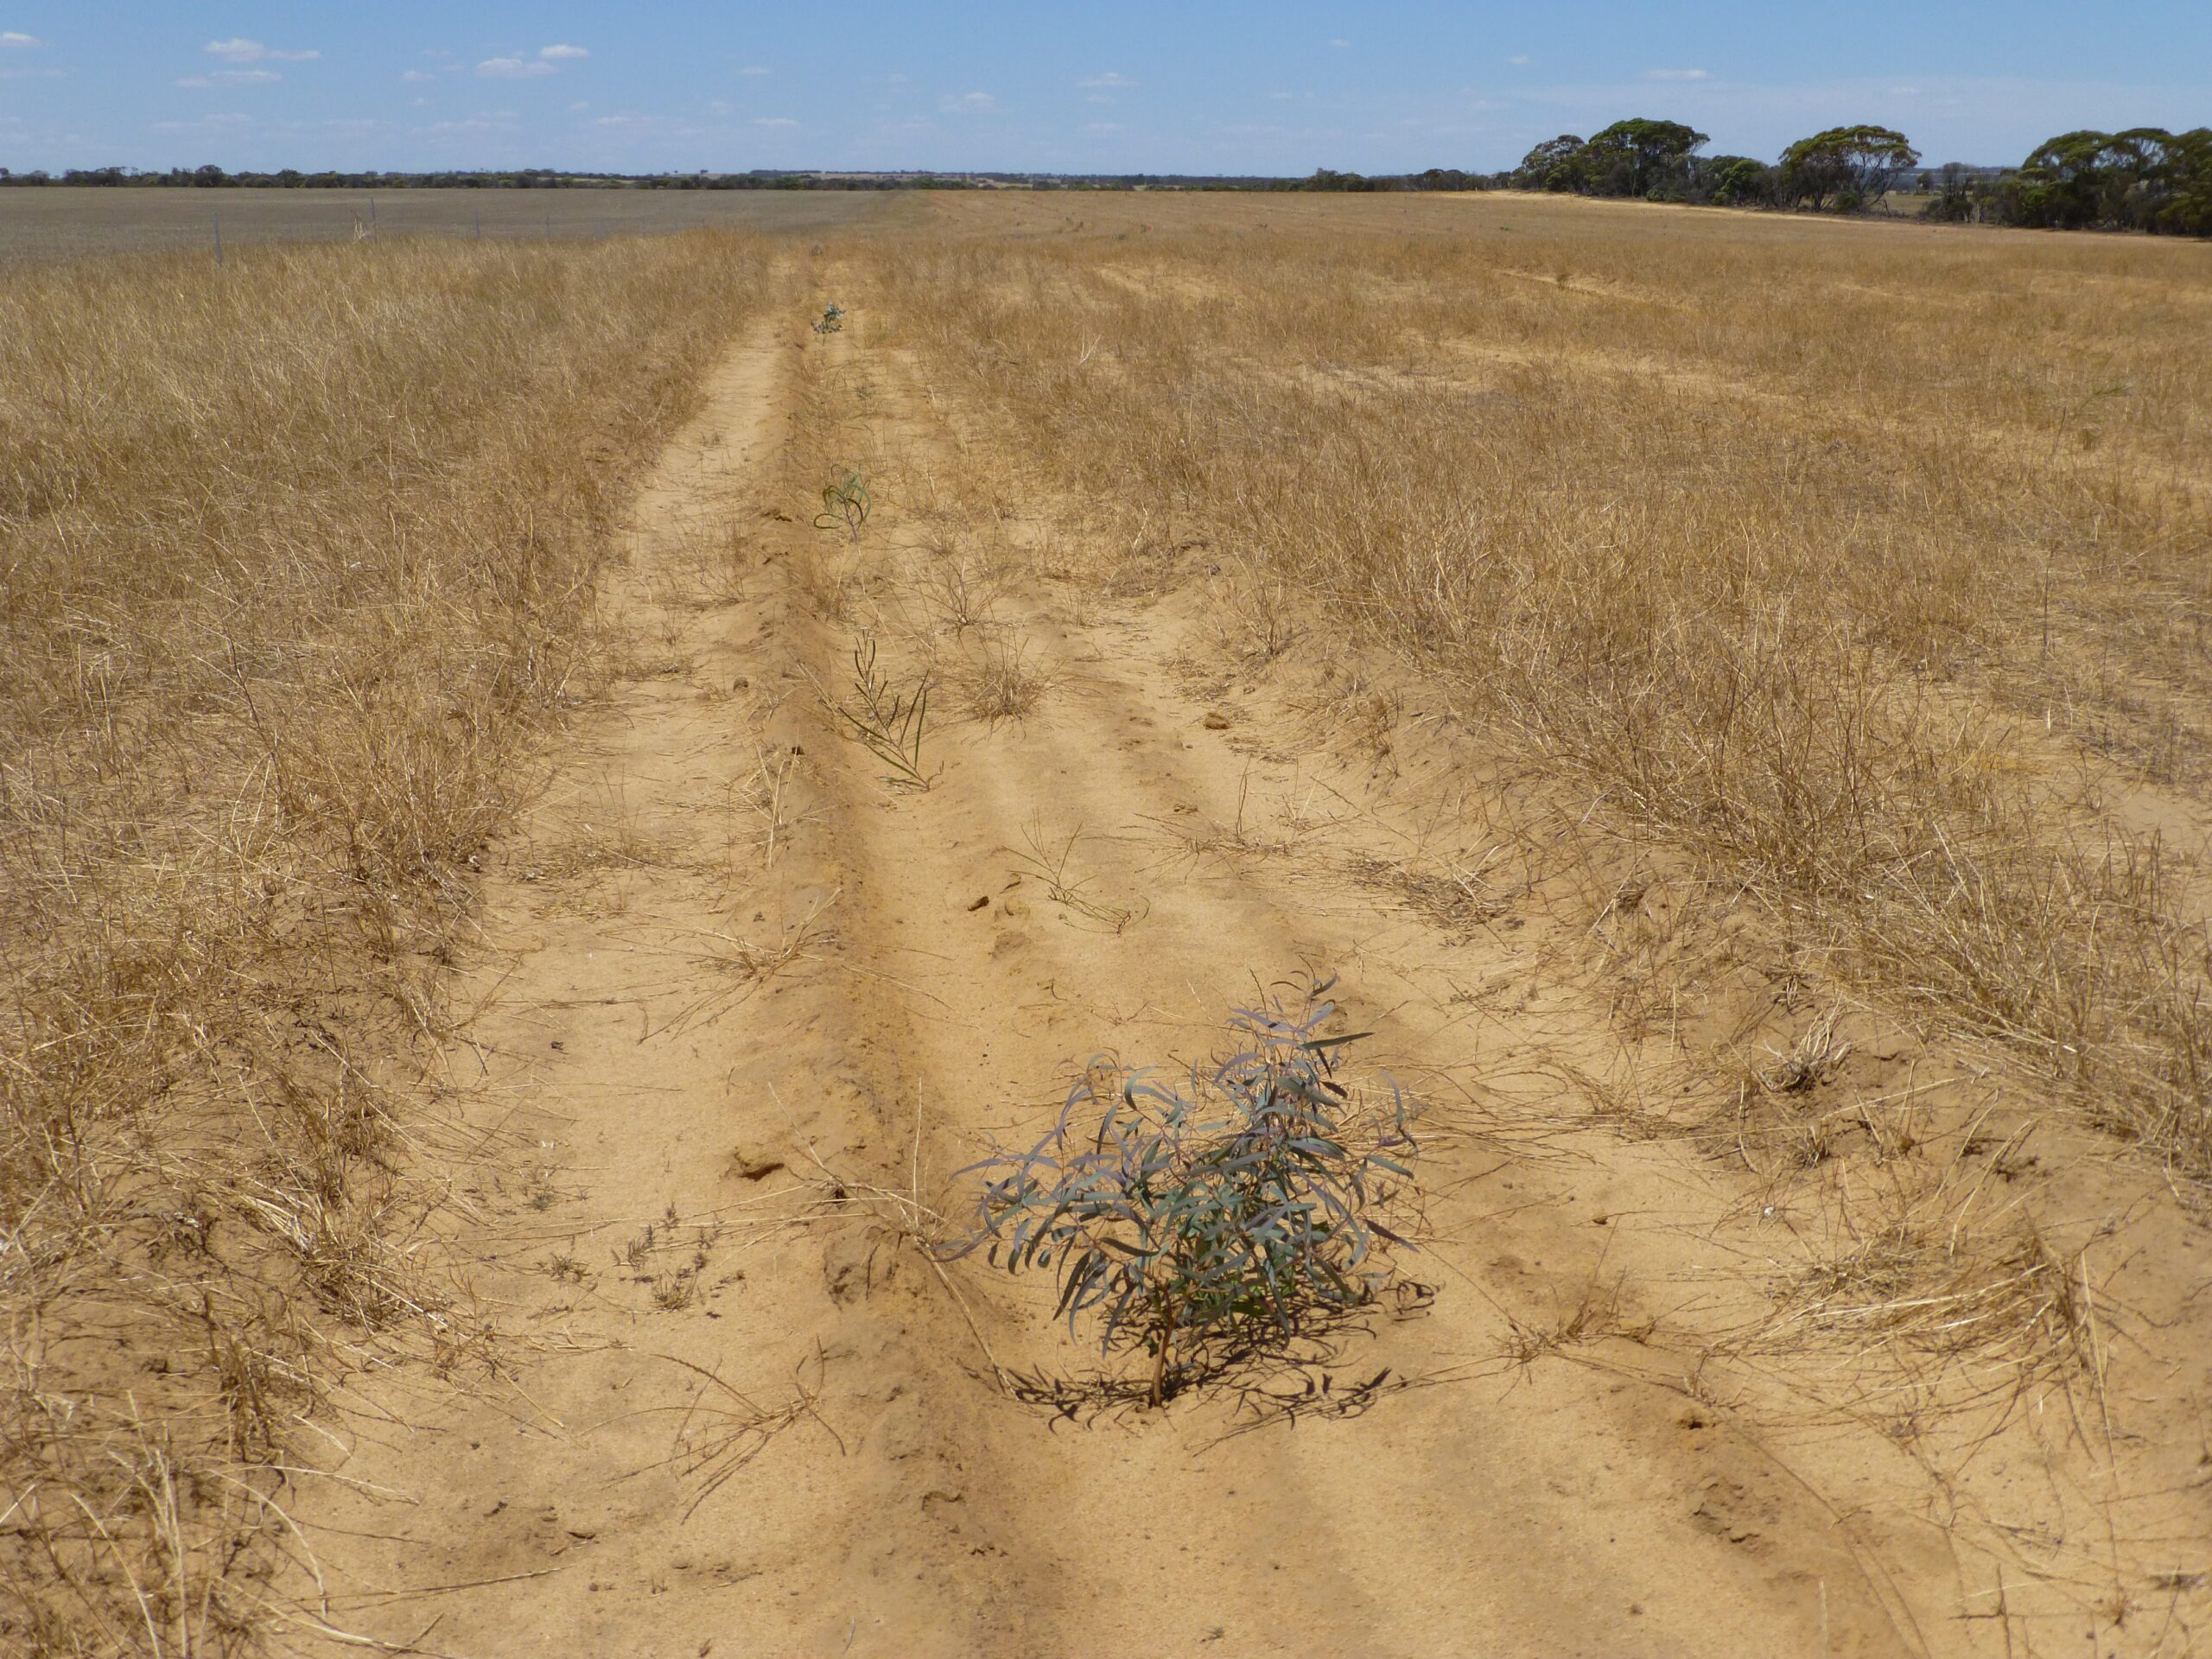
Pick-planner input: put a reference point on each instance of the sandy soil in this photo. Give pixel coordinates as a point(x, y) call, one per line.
point(746, 1010)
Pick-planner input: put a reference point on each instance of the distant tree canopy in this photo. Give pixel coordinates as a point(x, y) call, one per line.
point(1857, 165)
point(1642, 157)
point(1952, 197)
point(1738, 181)
point(1435, 178)
point(1555, 164)
point(1636, 157)
point(2143, 179)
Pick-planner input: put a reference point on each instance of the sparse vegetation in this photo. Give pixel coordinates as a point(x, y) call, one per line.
point(1228, 1208)
point(297, 559)
point(1051, 860)
point(960, 591)
point(1726, 688)
point(889, 722)
point(845, 505)
point(1796, 714)
point(1002, 682)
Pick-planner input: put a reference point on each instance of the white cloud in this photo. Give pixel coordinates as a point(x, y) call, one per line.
point(417, 75)
point(205, 123)
point(969, 104)
point(1110, 79)
point(774, 121)
point(552, 53)
point(1101, 127)
point(243, 51)
point(11, 41)
point(1678, 74)
point(1521, 61)
point(513, 68)
point(1339, 44)
point(756, 69)
point(233, 78)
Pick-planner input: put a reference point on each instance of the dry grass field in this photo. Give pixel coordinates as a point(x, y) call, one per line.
point(39, 225)
point(1777, 533)
point(297, 557)
point(553, 812)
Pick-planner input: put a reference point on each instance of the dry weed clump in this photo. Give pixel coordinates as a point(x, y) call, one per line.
point(294, 556)
point(1003, 683)
point(1927, 1295)
point(1709, 530)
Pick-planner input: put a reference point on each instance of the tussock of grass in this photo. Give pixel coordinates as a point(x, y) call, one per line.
point(1002, 682)
point(298, 555)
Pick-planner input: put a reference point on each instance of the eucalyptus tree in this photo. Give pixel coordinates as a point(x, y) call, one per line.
point(1856, 165)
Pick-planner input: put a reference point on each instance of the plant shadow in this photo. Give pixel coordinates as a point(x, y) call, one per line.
point(1268, 1376)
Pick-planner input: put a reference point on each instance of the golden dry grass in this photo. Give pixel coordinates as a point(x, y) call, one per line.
point(1864, 569)
point(1507, 597)
point(59, 222)
point(295, 559)
point(1873, 563)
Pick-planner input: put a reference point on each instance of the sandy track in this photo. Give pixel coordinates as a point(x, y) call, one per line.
point(622, 1051)
point(696, 1142)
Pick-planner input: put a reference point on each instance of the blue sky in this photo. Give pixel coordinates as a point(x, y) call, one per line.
point(1197, 86)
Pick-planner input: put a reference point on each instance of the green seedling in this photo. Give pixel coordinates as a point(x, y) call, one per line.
point(844, 503)
point(1222, 1212)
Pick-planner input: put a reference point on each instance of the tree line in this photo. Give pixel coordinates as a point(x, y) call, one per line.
point(2145, 179)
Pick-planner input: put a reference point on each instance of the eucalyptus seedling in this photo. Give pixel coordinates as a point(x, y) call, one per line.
point(1234, 1206)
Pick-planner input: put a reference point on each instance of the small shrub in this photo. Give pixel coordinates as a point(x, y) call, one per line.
point(844, 503)
point(832, 321)
point(888, 723)
point(1215, 1215)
